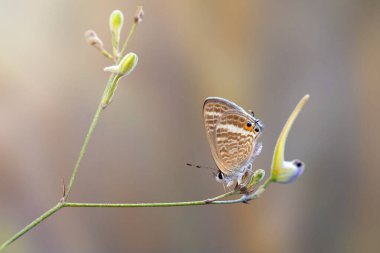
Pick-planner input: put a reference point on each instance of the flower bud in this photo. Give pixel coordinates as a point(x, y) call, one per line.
point(116, 23)
point(285, 171)
point(93, 40)
point(139, 14)
point(289, 172)
point(257, 176)
point(126, 65)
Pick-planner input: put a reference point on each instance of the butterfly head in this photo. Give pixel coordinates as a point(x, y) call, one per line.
point(254, 125)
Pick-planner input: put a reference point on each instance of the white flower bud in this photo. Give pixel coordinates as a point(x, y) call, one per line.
point(93, 40)
point(289, 172)
point(284, 171)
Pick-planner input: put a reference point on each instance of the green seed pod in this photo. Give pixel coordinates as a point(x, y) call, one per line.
point(116, 22)
point(126, 65)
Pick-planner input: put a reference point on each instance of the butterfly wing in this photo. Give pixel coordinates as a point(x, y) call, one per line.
point(231, 146)
point(235, 143)
point(213, 109)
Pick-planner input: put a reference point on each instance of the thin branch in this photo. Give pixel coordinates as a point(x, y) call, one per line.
point(160, 204)
point(267, 183)
point(107, 54)
point(228, 194)
point(210, 201)
point(61, 204)
point(94, 122)
point(83, 149)
point(32, 225)
point(133, 27)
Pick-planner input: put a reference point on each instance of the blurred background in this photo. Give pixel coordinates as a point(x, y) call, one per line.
point(263, 55)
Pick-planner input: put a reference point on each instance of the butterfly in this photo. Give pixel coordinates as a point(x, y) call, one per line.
point(232, 134)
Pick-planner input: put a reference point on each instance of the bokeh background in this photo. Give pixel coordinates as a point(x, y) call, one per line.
point(264, 55)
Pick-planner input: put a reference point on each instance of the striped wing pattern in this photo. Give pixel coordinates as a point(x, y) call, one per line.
point(232, 146)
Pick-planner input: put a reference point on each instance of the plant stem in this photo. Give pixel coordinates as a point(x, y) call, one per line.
point(83, 149)
point(110, 90)
point(32, 225)
point(160, 204)
point(133, 27)
point(112, 81)
point(210, 201)
point(225, 195)
point(106, 54)
point(267, 183)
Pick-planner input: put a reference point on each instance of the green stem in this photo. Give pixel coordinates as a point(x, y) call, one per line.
point(32, 225)
point(162, 204)
point(83, 149)
point(133, 27)
point(112, 81)
point(110, 90)
point(258, 191)
point(267, 183)
point(211, 201)
point(106, 54)
point(225, 195)
point(121, 205)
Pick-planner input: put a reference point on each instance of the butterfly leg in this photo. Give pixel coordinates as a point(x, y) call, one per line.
point(229, 183)
point(240, 179)
point(249, 169)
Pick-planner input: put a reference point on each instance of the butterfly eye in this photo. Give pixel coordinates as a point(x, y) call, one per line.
point(248, 126)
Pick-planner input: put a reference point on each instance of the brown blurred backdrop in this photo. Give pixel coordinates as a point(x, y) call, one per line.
point(264, 55)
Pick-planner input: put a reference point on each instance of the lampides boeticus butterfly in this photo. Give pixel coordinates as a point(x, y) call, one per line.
point(232, 134)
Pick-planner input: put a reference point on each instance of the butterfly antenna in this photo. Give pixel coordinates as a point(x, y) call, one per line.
point(200, 166)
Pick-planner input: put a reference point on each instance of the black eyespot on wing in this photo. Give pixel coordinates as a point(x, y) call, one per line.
point(257, 129)
point(220, 175)
point(249, 124)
